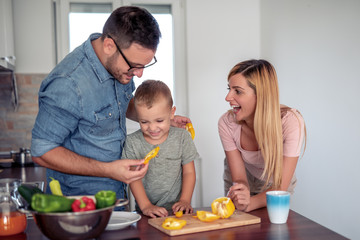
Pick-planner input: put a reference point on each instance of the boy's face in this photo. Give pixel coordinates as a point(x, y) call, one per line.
point(155, 121)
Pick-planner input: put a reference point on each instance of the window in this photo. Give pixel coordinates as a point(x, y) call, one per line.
point(77, 19)
point(163, 69)
point(176, 8)
point(85, 19)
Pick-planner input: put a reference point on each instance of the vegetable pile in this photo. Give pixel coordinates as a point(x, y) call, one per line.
point(56, 202)
point(222, 207)
point(83, 204)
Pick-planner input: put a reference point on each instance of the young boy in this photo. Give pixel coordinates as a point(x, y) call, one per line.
point(170, 180)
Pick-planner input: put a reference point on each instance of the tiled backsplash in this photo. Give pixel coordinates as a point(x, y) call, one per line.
point(16, 124)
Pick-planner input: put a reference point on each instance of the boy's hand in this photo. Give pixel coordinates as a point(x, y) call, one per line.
point(184, 206)
point(155, 211)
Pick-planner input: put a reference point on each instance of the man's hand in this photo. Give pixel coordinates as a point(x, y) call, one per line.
point(180, 121)
point(128, 170)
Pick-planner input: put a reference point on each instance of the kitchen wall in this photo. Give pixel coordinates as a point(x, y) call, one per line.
point(219, 35)
point(314, 47)
point(35, 57)
point(16, 122)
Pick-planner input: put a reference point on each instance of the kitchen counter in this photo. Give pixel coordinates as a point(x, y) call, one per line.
point(29, 173)
point(297, 226)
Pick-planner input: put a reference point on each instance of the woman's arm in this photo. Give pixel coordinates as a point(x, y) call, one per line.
point(187, 189)
point(289, 166)
point(236, 166)
point(239, 192)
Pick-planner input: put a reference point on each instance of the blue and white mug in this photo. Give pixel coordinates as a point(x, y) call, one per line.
point(278, 205)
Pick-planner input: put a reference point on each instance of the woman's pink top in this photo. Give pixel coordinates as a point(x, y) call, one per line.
point(293, 134)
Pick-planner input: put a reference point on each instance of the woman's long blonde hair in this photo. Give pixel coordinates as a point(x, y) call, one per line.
point(261, 77)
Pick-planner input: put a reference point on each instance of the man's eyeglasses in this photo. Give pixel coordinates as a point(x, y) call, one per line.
point(128, 63)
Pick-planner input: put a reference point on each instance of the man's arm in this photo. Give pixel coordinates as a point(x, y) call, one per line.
point(64, 160)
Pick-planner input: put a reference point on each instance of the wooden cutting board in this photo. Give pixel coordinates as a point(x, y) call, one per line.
point(194, 225)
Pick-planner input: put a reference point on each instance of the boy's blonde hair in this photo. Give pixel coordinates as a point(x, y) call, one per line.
point(150, 90)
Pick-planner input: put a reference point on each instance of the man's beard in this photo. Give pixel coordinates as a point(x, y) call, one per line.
point(110, 66)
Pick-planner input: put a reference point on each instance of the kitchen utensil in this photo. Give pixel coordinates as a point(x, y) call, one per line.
point(74, 225)
point(21, 157)
point(11, 221)
point(120, 220)
point(194, 225)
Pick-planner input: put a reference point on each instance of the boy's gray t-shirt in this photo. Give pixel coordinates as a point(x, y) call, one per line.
point(163, 179)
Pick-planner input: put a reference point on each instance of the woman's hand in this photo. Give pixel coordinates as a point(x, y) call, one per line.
point(182, 206)
point(154, 211)
point(240, 195)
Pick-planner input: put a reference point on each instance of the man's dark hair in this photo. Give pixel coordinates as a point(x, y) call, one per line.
point(130, 24)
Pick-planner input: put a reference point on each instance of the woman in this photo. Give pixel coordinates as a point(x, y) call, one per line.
point(262, 139)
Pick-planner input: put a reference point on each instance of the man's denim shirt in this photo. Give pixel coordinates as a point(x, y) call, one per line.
point(82, 108)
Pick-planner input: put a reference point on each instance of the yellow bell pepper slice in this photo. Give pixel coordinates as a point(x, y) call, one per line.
point(179, 214)
point(173, 223)
point(191, 129)
point(223, 206)
point(151, 154)
point(206, 216)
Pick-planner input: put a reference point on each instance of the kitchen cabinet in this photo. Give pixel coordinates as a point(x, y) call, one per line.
point(7, 52)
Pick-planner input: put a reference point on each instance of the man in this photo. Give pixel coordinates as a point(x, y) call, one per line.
point(80, 129)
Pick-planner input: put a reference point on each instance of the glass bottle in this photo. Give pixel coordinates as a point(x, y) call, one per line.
point(11, 221)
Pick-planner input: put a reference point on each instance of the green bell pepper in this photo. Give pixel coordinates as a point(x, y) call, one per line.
point(105, 199)
point(50, 203)
point(27, 191)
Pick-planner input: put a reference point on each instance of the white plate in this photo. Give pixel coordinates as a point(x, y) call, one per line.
point(120, 220)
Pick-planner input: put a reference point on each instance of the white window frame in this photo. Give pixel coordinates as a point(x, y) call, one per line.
point(180, 71)
point(62, 23)
point(178, 12)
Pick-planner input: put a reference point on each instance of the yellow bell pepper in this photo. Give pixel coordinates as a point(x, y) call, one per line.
point(179, 214)
point(151, 154)
point(206, 216)
point(173, 223)
point(191, 129)
point(223, 206)
point(55, 187)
